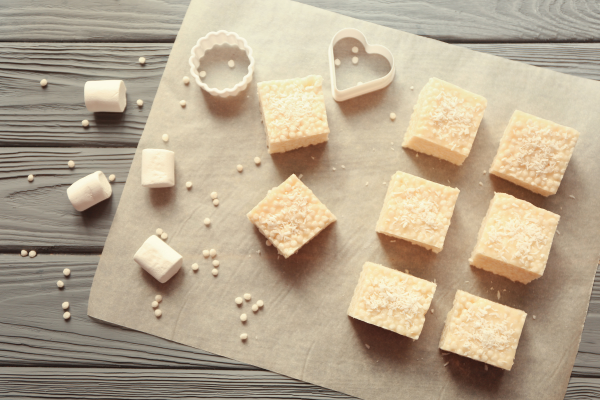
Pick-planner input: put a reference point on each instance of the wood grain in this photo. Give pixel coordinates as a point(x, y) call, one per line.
point(33, 333)
point(159, 384)
point(32, 116)
point(159, 20)
point(38, 215)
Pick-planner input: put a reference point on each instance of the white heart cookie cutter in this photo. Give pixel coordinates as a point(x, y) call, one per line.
point(208, 42)
point(363, 88)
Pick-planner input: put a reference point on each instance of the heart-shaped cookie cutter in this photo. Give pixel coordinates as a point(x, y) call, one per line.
point(208, 42)
point(363, 88)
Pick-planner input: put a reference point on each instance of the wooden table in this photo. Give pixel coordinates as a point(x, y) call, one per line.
point(70, 42)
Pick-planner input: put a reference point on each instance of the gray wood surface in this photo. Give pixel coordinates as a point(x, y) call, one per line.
point(38, 215)
point(70, 42)
point(33, 116)
point(159, 20)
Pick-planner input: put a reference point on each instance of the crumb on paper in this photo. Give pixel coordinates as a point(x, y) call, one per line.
point(216, 202)
point(231, 63)
point(240, 167)
point(355, 49)
point(243, 317)
point(214, 195)
point(188, 184)
point(247, 297)
point(207, 221)
point(195, 267)
point(186, 80)
point(158, 298)
point(165, 138)
point(337, 62)
point(213, 253)
point(202, 74)
point(158, 313)
point(164, 236)
point(215, 272)
point(244, 336)
point(393, 116)
point(182, 103)
point(257, 160)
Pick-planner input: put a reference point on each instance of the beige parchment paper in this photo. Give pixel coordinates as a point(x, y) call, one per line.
point(303, 330)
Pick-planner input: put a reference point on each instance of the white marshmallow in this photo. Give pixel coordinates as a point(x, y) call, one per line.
point(105, 96)
point(158, 168)
point(89, 191)
point(158, 259)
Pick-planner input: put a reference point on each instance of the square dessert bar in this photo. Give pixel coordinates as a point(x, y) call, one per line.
point(391, 300)
point(417, 210)
point(483, 330)
point(514, 239)
point(444, 121)
point(534, 153)
point(290, 216)
point(293, 113)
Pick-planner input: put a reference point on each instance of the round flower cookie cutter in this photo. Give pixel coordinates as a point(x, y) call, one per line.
point(363, 88)
point(208, 42)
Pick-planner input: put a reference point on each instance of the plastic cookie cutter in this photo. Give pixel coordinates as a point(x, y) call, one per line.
point(208, 42)
point(363, 88)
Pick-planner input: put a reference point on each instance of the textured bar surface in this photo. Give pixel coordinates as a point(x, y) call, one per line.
point(483, 330)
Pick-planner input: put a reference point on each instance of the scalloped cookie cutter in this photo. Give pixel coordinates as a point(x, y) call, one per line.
point(363, 88)
point(208, 42)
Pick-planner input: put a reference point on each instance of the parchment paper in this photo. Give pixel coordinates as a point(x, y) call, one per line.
point(303, 330)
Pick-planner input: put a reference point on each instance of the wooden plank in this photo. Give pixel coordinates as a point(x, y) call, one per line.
point(32, 116)
point(159, 20)
point(160, 384)
point(164, 384)
point(33, 333)
point(38, 215)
